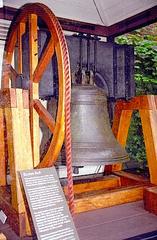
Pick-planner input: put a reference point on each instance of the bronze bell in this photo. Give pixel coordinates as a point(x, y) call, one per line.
point(93, 142)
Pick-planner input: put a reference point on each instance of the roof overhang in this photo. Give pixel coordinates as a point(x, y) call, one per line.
point(135, 21)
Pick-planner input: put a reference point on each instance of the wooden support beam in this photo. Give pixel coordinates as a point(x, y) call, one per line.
point(147, 106)
point(7, 61)
point(102, 199)
point(44, 115)
point(156, 101)
point(15, 220)
point(108, 182)
point(149, 126)
point(44, 61)
point(139, 20)
point(3, 160)
point(130, 179)
point(137, 103)
point(120, 128)
point(19, 145)
point(34, 88)
point(150, 199)
point(20, 32)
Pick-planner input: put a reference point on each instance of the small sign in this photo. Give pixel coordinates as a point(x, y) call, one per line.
point(3, 217)
point(48, 206)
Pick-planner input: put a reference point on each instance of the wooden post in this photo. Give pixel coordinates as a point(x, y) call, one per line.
point(120, 128)
point(150, 199)
point(2, 150)
point(20, 32)
point(19, 143)
point(33, 43)
point(149, 126)
point(122, 133)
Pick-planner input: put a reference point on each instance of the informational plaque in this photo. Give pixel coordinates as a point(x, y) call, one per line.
point(47, 203)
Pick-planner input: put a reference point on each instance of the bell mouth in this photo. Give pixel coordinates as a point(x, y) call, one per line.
point(97, 155)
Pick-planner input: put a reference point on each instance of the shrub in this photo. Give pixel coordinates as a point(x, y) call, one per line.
point(145, 46)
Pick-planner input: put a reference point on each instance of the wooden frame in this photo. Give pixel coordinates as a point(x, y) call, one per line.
point(118, 188)
point(147, 106)
point(127, 187)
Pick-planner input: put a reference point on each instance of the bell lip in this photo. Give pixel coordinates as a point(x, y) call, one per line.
point(98, 163)
point(81, 163)
point(86, 161)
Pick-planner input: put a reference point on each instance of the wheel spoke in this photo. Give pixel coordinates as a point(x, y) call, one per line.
point(44, 115)
point(13, 72)
point(8, 58)
point(44, 61)
point(20, 32)
point(10, 72)
point(33, 87)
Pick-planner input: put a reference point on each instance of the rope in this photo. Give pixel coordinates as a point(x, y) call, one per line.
point(68, 146)
point(68, 128)
point(67, 75)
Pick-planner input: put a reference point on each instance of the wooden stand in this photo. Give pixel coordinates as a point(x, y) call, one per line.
point(111, 190)
point(147, 107)
point(15, 113)
point(121, 187)
point(117, 188)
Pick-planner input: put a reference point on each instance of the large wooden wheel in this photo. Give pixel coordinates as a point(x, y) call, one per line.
point(27, 20)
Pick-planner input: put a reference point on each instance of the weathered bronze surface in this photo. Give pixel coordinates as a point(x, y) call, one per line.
point(93, 142)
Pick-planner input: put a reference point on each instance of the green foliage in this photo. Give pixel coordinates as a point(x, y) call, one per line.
point(135, 142)
point(146, 83)
point(145, 61)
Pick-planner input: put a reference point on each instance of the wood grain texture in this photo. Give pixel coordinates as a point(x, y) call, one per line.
point(147, 106)
point(20, 32)
point(149, 126)
point(19, 149)
point(44, 61)
point(100, 199)
point(27, 20)
point(137, 103)
point(106, 183)
point(129, 179)
point(2, 150)
point(120, 128)
point(34, 87)
point(15, 220)
point(44, 115)
point(150, 199)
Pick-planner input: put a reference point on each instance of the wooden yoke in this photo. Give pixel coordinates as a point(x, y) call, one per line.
point(147, 106)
